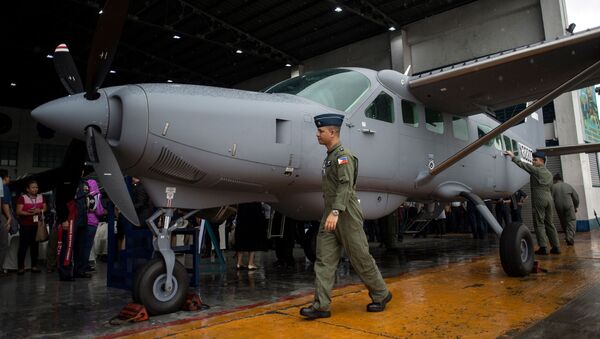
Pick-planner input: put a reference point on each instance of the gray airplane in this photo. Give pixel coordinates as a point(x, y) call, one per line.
point(422, 138)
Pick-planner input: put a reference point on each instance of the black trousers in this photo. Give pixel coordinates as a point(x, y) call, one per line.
point(27, 239)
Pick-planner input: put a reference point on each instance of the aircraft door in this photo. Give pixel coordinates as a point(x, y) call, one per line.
point(373, 136)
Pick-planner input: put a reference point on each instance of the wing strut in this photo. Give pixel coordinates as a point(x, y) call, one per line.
point(425, 176)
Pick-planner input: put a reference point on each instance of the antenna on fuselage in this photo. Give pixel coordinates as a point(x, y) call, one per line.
point(407, 70)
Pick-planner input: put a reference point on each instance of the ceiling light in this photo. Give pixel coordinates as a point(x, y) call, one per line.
point(49, 56)
point(12, 84)
point(169, 80)
point(338, 9)
point(101, 11)
point(176, 37)
point(112, 71)
point(392, 28)
point(288, 65)
point(239, 51)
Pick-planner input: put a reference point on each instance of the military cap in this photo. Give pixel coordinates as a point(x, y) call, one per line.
point(539, 154)
point(329, 119)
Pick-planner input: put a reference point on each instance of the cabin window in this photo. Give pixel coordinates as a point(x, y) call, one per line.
point(410, 116)
point(382, 108)
point(483, 130)
point(434, 121)
point(515, 147)
point(498, 142)
point(507, 143)
point(460, 129)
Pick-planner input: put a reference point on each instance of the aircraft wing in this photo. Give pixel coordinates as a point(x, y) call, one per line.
point(571, 149)
point(508, 78)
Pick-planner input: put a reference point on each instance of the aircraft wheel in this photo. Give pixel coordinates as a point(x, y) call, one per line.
point(516, 250)
point(137, 278)
point(310, 243)
point(151, 287)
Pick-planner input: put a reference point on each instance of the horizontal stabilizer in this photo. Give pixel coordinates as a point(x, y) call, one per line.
point(572, 149)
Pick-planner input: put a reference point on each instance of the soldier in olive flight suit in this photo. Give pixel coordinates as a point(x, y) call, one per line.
point(540, 180)
point(566, 202)
point(341, 225)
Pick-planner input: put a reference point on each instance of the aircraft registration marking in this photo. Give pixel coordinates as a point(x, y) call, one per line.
point(526, 154)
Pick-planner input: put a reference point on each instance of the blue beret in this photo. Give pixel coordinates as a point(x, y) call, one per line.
point(539, 154)
point(329, 119)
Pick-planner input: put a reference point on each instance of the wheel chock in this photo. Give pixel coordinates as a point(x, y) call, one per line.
point(537, 268)
point(193, 303)
point(131, 313)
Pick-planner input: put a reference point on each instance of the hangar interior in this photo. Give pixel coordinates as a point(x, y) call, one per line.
point(250, 45)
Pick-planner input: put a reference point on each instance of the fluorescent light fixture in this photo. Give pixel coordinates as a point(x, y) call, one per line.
point(392, 28)
point(169, 80)
point(101, 11)
point(49, 56)
point(12, 84)
point(239, 51)
point(112, 71)
point(176, 37)
point(288, 65)
point(338, 9)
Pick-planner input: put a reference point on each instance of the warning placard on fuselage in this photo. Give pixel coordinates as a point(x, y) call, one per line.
point(526, 154)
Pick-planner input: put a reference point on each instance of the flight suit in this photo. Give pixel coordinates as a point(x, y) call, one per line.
point(566, 201)
point(540, 180)
point(340, 171)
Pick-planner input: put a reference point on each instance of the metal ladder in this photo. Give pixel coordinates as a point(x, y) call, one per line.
point(423, 218)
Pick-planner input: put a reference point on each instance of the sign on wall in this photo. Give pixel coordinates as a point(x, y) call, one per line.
point(589, 110)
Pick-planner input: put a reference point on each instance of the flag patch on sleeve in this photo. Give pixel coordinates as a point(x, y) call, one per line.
point(342, 160)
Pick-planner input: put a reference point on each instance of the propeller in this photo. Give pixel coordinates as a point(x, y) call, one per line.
point(99, 152)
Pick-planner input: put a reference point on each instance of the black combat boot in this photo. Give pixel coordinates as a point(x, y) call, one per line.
point(555, 250)
point(310, 313)
point(542, 251)
point(380, 306)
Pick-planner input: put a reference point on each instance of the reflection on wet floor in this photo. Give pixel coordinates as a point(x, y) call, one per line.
point(453, 286)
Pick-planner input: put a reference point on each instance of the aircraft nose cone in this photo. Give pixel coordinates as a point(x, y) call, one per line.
point(71, 115)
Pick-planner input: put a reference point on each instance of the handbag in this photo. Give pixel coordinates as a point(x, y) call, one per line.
point(42, 232)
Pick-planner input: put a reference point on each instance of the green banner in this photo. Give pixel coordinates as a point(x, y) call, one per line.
point(589, 110)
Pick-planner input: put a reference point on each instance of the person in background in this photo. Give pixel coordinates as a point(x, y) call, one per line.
point(250, 233)
point(30, 211)
point(503, 212)
point(566, 202)
point(5, 217)
point(517, 200)
point(94, 210)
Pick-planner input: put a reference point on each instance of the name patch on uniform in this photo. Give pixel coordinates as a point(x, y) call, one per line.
point(342, 160)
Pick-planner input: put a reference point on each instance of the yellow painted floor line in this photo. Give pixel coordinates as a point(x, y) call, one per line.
point(471, 299)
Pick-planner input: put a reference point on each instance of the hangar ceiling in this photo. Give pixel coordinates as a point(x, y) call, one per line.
point(220, 43)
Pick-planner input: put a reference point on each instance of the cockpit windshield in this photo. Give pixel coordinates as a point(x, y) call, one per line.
point(335, 88)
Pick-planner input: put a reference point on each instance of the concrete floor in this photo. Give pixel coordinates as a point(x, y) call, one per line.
point(449, 287)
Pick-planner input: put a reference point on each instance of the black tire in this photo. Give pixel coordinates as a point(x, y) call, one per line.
point(150, 287)
point(310, 243)
point(516, 250)
point(135, 288)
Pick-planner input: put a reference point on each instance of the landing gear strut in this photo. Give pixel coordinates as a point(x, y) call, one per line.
point(161, 284)
point(516, 243)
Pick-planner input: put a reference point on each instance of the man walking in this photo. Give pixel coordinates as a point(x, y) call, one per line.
point(566, 202)
point(341, 225)
point(540, 180)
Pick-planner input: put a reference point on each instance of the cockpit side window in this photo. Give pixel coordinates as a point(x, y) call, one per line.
point(382, 108)
point(336, 88)
point(410, 116)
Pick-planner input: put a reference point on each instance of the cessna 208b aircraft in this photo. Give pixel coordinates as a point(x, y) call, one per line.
point(421, 138)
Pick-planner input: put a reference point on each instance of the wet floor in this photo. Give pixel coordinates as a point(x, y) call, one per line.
point(449, 287)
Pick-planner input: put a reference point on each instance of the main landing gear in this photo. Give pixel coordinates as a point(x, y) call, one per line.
point(161, 285)
point(516, 243)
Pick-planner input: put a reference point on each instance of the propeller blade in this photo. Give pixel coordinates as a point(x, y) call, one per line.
point(108, 31)
point(110, 175)
point(66, 70)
